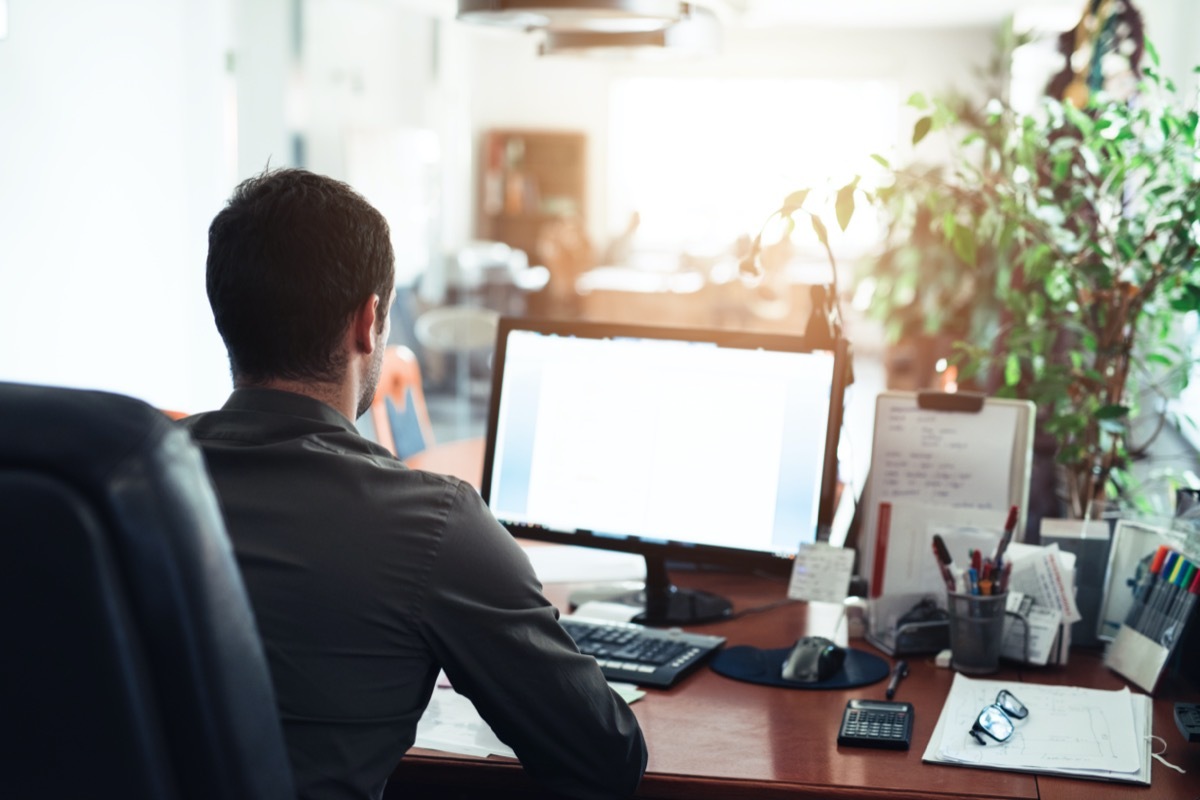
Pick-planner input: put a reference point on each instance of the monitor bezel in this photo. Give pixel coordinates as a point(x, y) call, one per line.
point(673, 550)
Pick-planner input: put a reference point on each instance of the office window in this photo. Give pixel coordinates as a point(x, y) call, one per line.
point(704, 160)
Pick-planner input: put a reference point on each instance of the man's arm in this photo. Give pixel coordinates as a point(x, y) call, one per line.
point(499, 641)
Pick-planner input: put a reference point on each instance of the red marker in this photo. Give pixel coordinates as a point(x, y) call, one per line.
point(1010, 525)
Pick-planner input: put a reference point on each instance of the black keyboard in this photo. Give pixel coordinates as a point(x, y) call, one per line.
point(634, 653)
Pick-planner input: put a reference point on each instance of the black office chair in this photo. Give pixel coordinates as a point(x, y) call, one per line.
point(129, 661)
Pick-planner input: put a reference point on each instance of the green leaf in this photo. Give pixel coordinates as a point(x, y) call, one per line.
point(819, 228)
point(918, 101)
point(844, 205)
point(794, 201)
point(1112, 412)
point(964, 244)
point(883, 162)
point(1152, 51)
point(921, 129)
point(1012, 370)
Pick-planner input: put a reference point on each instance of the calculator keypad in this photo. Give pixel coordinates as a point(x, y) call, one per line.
point(869, 723)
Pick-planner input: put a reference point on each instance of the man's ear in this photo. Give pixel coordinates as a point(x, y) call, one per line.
point(363, 325)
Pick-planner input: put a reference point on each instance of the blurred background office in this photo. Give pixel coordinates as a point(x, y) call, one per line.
point(515, 180)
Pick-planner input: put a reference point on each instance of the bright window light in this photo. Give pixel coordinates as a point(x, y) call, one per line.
point(706, 160)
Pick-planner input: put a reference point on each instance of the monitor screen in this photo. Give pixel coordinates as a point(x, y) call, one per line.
point(698, 445)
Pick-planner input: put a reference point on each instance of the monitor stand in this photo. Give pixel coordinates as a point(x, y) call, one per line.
point(664, 604)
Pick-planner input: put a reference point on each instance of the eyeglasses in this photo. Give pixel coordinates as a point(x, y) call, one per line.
point(997, 719)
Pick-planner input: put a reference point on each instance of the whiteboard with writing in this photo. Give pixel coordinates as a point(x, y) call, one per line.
point(957, 459)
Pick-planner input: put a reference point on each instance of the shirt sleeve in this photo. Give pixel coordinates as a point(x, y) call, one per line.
point(500, 643)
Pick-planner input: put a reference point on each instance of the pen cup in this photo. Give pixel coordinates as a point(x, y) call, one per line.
point(976, 631)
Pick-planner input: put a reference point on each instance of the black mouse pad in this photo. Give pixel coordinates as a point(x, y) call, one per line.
point(753, 665)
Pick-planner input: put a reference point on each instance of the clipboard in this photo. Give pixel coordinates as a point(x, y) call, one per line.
point(960, 451)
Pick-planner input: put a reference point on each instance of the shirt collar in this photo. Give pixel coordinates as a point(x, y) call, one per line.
point(276, 401)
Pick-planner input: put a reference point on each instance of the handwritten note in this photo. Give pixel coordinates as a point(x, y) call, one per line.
point(821, 573)
point(950, 459)
point(926, 458)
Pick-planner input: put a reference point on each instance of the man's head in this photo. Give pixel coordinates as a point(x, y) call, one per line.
point(292, 258)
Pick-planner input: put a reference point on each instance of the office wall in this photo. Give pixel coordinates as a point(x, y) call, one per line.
point(114, 152)
point(513, 87)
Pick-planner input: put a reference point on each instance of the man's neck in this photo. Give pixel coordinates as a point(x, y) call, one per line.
point(338, 396)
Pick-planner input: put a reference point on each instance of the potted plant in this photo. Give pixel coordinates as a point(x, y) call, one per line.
point(1079, 228)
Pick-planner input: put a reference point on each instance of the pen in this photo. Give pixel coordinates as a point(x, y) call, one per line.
point(899, 672)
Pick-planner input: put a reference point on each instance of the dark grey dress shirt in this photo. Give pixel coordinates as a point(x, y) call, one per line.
point(366, 577)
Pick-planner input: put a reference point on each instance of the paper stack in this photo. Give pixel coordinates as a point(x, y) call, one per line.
point(1070, 731)
point(1046, 577)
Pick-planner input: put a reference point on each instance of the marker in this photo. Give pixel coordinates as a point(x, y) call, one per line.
point(899, 672)
point(942, 555)
point(1149, 617)
point(1181, 579)
point(973, 580)
point(1143, 590)
point(1010, 525)
point(1190, 601)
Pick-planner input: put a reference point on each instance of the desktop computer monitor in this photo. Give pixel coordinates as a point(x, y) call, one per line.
point(703, 446)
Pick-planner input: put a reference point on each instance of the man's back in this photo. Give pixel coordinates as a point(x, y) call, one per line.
point(367, 577)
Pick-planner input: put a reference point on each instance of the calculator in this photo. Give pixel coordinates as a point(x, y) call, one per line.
point(876, 723)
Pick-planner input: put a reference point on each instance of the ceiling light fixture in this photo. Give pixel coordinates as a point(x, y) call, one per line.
point(612, 16)
point(698, 33)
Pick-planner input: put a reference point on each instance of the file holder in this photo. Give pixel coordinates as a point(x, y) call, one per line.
point(1151, 624)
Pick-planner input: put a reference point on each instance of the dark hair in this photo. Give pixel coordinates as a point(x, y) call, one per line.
point(290, 258)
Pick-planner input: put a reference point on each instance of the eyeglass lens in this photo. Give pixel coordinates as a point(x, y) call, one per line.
point(995, 723)
point(1011, 706)
point(996, 719)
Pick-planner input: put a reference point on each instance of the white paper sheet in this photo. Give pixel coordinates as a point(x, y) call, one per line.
point(821, 573)
point(451, 724)
point(1069, 729)
point(1046, 574)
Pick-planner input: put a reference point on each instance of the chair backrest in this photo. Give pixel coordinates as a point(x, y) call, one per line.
point(132, 667)
point(398, 412)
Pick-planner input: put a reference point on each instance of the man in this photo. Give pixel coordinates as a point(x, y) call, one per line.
point(367, 577)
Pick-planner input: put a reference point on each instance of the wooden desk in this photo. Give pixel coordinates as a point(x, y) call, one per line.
point(712, 738)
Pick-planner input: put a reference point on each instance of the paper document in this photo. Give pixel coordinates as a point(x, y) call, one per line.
point(821, 573)
point(1042, 626)
point(906, 549)
point(451, 724)
point(1046, 574)
point(1069, 731)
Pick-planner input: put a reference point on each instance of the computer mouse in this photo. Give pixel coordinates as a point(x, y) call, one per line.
point(813, 659)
